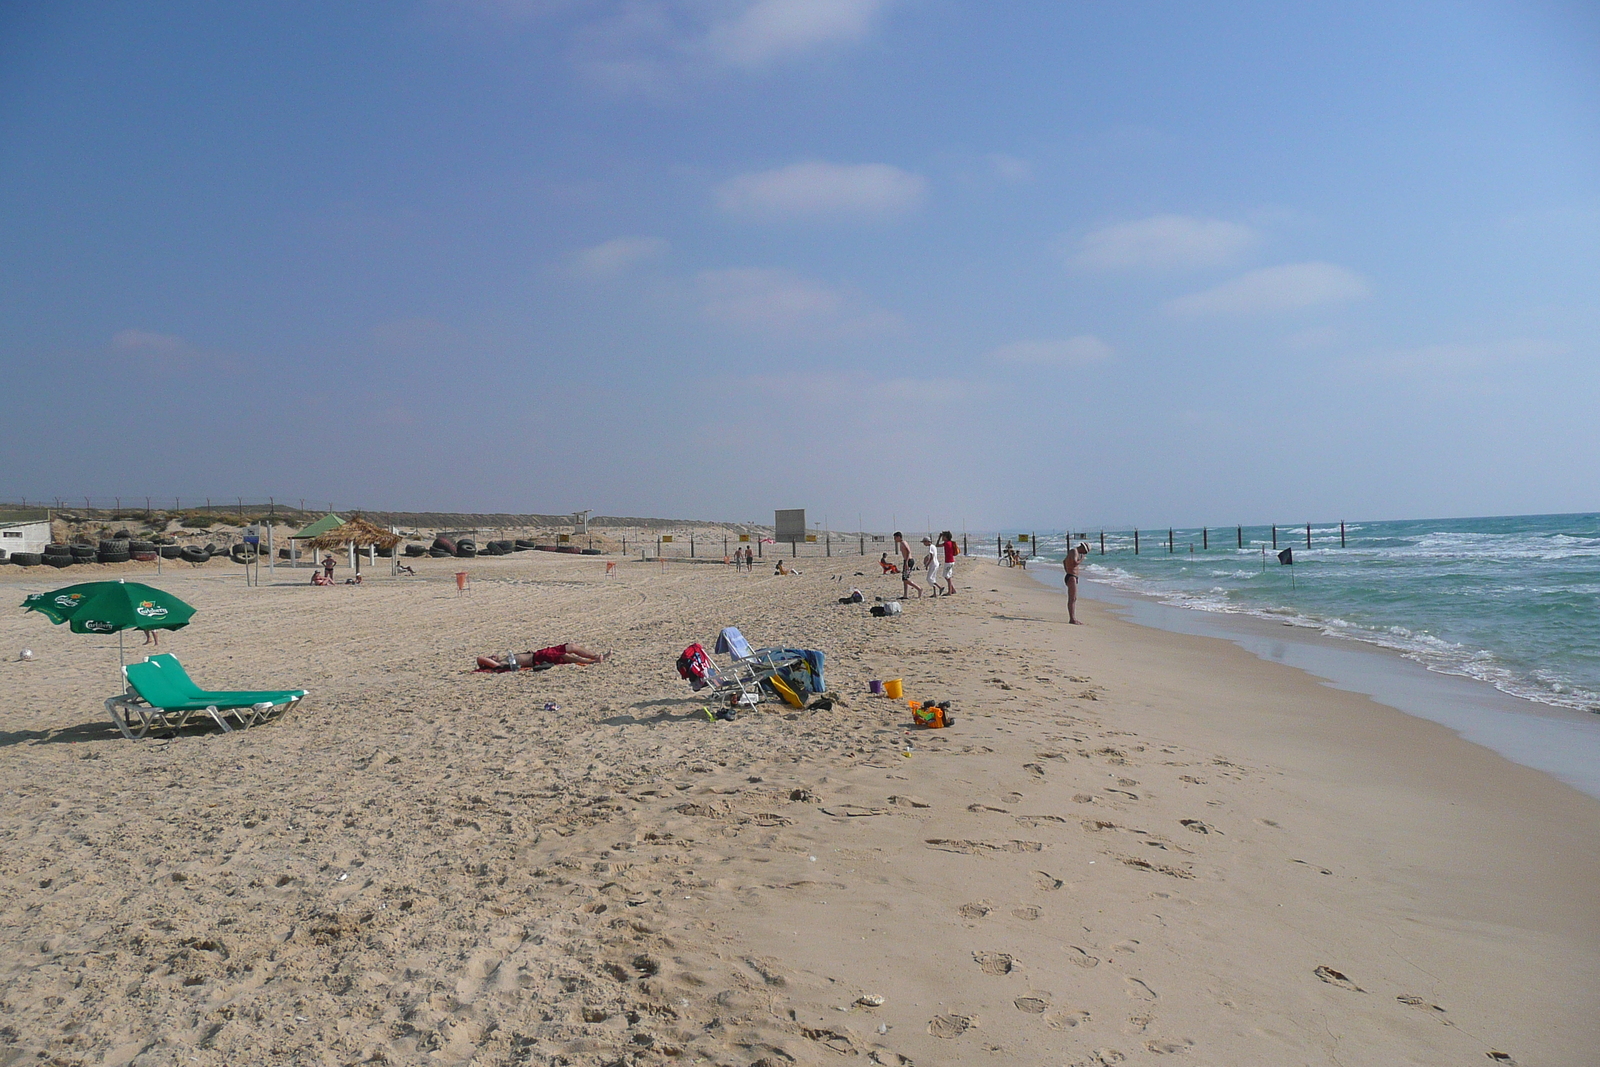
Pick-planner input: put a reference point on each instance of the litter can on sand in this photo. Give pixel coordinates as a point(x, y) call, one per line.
point(891, 689)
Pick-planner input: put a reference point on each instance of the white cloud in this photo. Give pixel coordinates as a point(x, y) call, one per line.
point(1074, 352)
point(165, 351)
point(145, 341)
point(769, 30)
point(1165, 242)
point(1430, 361)
point(613, 257)
point(863, 190)
point(777, 300)
point(1291, 287)
point(654, 45)
point(1011, 168)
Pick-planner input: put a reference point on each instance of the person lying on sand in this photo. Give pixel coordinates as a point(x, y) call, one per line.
point(784, 568)
point(541, 658)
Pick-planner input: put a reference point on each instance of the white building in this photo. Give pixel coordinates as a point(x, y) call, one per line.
point(24, 536)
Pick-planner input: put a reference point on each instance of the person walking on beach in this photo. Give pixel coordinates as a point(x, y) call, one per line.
point(947, 541)
point(906, 584)
point(1074, 560)
point(930, 564)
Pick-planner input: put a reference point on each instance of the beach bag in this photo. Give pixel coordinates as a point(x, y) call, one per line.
point(695, 665)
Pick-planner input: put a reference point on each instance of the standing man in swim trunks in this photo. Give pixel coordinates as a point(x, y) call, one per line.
point(906, 584)
point(1074, 560)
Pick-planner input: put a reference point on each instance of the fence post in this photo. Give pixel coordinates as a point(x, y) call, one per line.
point(964, 551)
point(691, 546)
point(761, 551)
point(827, 543)
point(863, 540)
point(794, 549)
point(724, 546)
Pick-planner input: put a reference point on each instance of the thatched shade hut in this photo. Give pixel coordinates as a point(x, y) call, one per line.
point(353, 534)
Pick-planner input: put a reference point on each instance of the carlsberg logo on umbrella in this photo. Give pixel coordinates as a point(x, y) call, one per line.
point(151, 610)
point(99, 626)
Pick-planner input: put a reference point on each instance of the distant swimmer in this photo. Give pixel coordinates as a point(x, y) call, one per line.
point(1074, 560)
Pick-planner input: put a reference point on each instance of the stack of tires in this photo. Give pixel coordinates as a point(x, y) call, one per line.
point(193, 554)
point(115, 550)
point(415, 551)
point(26, 559)
point(442, 547)
point(57, 554)
point(169, 551)
point(466, 548)
point(82, 553)
point(242, 553)
point(385, 553)
point(522, 544)
point(499, 548)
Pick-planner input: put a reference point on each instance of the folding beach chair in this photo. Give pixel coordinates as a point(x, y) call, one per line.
point(697, 667)
point(800, 669)
point(162, 697)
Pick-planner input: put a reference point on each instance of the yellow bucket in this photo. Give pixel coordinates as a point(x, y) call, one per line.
point(891, 689)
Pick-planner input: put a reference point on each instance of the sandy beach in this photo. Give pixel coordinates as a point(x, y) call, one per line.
point(1131, 844)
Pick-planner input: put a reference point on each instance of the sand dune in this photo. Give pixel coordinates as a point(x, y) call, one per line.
point(1130, 845)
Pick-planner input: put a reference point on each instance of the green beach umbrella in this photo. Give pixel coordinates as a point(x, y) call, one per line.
point(111, 607)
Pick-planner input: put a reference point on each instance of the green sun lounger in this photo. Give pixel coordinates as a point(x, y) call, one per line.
point(161, 696)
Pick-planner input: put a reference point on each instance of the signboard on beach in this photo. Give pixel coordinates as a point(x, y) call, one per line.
point(744, 537)
point(563, 537)
point(1022, 539)
point(666, 539)
point(811, 537)
point(790, 525)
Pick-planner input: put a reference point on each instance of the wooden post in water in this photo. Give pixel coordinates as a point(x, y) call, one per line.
point(1274, 537)
point(1205, 538)
point(1308, 535)
point(1341, 535)
point(1169, 540)
point(1136, 540)
point(1240, 532)
point(1102, 542)
point(1033, 544)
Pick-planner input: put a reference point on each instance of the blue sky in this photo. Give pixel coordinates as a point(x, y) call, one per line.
point(989, 264)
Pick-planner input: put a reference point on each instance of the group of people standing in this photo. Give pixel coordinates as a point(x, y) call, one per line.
point(938, 561)
point(744, 559)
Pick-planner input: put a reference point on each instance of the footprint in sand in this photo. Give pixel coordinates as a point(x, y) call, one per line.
point(949, 1026)
point(1078, 957)
point(977, 909)
point(1417, 1002)
point(1338, 978)
point(1027, 911)
point(995, 962)
point(1164, 1047)
point(1066, 1020)
point(1197, 826)
point(1138, 990)
point(1047, 881)
point(1032, 1005)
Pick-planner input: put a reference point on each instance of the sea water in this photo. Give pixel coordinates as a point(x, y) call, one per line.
point(1510, 602)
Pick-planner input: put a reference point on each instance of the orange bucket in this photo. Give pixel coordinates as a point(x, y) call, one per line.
point(893, 689)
